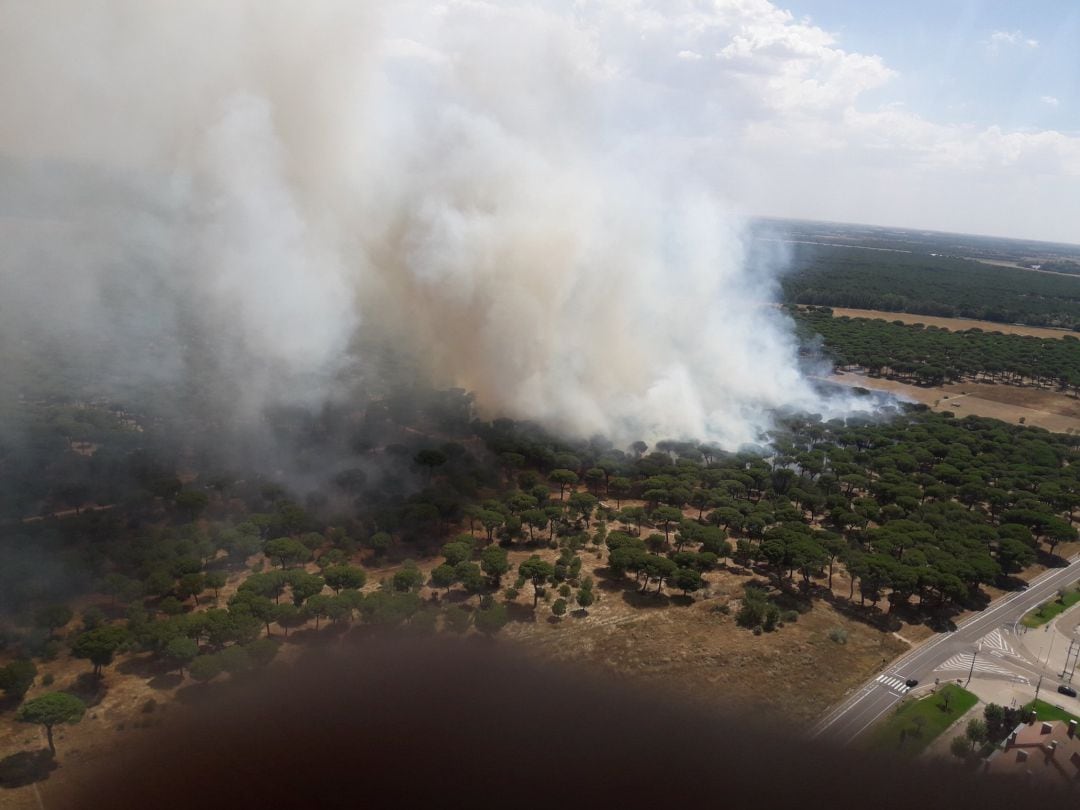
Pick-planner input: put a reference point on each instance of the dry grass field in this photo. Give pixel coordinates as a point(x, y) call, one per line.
point(953, 324)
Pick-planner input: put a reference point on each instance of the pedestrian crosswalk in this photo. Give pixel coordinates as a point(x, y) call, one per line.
point(995, 644)
point(961, 662)
point(897, 685)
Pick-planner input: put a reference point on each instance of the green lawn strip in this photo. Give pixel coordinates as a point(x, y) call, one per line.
point(1047, 711)
point(917, 723)
point(1048, 610)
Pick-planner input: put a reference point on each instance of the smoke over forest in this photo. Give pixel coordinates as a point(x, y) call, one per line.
point(243, 203)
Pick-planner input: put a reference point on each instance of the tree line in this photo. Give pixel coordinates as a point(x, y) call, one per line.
point(931, 285)
point(928, 355)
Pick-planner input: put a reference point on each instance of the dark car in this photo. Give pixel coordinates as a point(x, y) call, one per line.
point(1065, 689)
point(910, 682)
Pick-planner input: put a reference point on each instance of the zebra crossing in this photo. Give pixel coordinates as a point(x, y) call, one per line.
point(961, 662)
point(995, 644)
point(896, 684)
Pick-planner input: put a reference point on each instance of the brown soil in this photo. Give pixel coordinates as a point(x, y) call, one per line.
point(953, 324)
point(689, 648)
point(1037, 407)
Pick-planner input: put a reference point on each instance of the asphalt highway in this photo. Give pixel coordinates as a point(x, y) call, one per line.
point(877, 696)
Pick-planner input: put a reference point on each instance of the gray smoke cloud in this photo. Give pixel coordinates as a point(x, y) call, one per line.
point(248, 185)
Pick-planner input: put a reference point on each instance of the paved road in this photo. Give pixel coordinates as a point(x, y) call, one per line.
point(878, 695)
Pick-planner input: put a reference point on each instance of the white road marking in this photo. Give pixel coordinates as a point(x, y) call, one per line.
point(994, 643)
point(961, 662)
point(896, 684)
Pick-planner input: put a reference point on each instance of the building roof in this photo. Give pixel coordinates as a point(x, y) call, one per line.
point(1045, 750)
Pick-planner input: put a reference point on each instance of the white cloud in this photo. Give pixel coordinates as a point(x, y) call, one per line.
point(1050, 101)
point(1010, 39)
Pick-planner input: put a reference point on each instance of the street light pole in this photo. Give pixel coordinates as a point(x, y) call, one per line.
point(972, 670)
point(1053, 638)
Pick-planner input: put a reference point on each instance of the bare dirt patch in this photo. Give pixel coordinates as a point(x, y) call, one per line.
point(693, 650)
point(953, 324)
point(1036, 407)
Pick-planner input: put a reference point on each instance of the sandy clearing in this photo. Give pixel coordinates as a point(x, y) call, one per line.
point(1037, 407)
point(954, 324)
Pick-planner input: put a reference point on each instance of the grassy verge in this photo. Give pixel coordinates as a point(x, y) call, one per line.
point(1048, 610)
point(1046, 711)
point(917, 723)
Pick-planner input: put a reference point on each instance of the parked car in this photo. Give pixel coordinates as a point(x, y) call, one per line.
point(1065, 689)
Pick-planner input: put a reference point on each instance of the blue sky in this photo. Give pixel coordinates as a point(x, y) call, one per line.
point(1015, 64)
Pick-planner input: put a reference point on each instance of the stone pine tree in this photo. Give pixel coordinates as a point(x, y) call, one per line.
point(52, 710)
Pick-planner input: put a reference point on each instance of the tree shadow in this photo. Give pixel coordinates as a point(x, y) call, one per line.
point(867, 614)
point(26, 767)
point(651, 599)
point(143, 666)
point(89, 688)
point(521, 613)
point(1051, 560)
point(167, 680)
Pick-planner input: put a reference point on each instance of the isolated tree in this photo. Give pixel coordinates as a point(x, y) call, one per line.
point(304, 585)
point(288, 615)
point(581, 504)
point(205, 667)
point(262, 651)
point(317, 607)
point(492, 619)
point(215, 581)
point(51, 710)
point(444, 576)
point(490, 520)
point(190, 585)
point(687, 579)
point(17, 677)
point(99, 645)
point(564, 479)
point(470, 576)
point(558, 608)
point(181, 651)
point(585, 598)
point(539, 573)
point(494, 563)
point(286, 551)
point(191, 503)
point(380, 543)
point(457, 551)
point(53, 617)
point(658, 568)
point(960, 747)
point(260, 607)
point(665, 517)
point(429, 460)
point(344, 576)
point(270, 584)
point(618, 488)
point(408, 577)
point(234, 659)
point(976, 732)
point(122, 588)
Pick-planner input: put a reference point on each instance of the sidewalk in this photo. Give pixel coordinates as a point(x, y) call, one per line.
point(1049, 644)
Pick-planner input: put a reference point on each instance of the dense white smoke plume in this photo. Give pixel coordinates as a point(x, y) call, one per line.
point(478, 181)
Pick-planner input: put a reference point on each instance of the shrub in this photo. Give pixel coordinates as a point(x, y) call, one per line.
point(839, 635)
